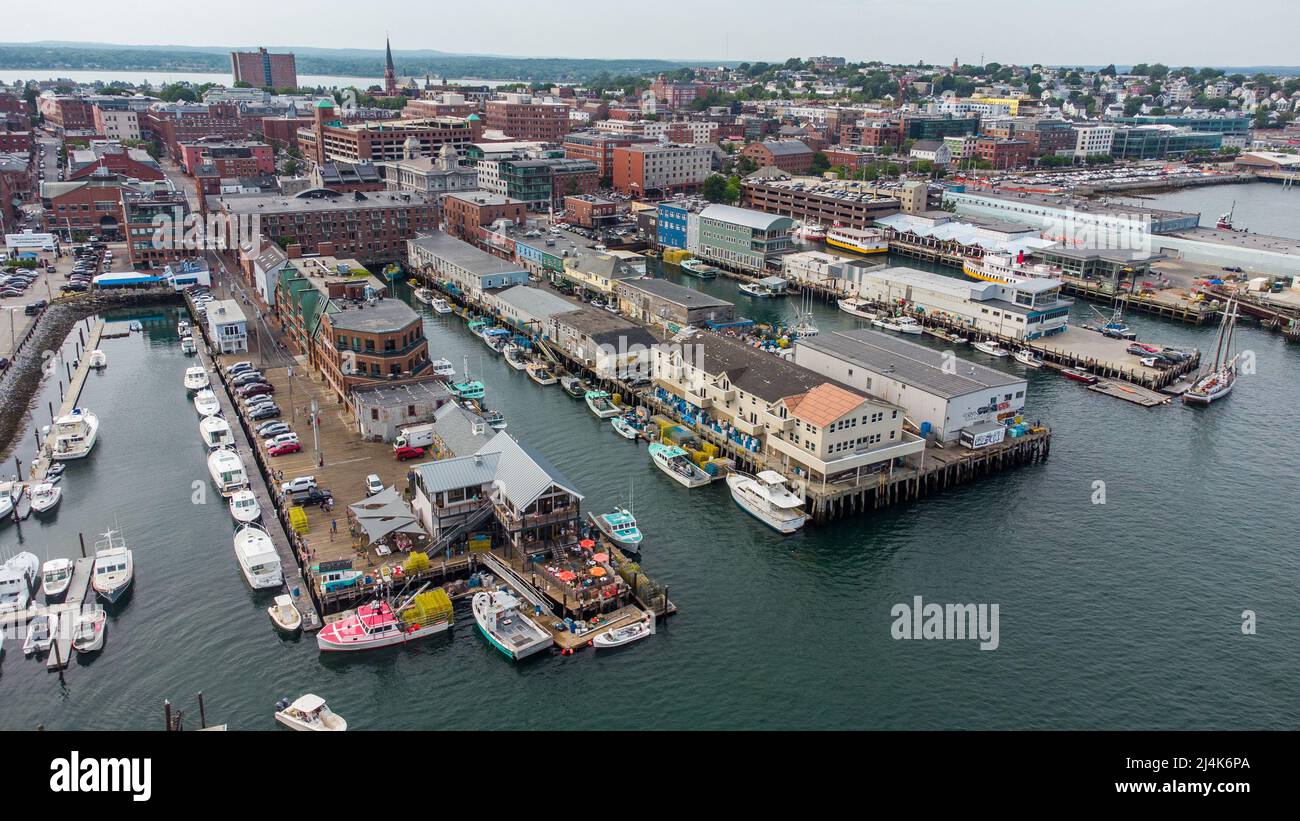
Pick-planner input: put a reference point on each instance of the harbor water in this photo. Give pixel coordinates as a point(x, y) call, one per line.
point(1125, 614)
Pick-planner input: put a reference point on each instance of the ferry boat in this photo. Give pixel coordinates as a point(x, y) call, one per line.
point(1002, 269)
point(764, 288)
point(258, 558)
point(599, 403)
point(98, 360)
point(675, 462)
point(196, 378)
point(440, 306)
point(379, 624)
point(75, 434)
point(619, 526)
point(114, 568)
point(625, 635)
point(88, 633)
point(1027, 357)
point(17, 578)
point(858, 240)
point(766, 498)
point(442, 368)
point(506, 628)
point(989, 347)
point(244, 507)
point(45, 497)
point(1217, 382)
point(207, 404)
point(309, 713)
point(187, 346)
point(810, 232)
point(215, 432)
point(902, 324)
point(227, 471)
point(56, 575)
point(856, 307)
point(698, 268)
point(425, 295)
point(541, 374)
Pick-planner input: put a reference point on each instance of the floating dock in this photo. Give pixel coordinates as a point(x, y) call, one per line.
point(70, 397)
point(66, 613)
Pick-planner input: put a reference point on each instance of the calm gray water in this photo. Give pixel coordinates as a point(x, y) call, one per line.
point(1123, 615)
point(1261, 208)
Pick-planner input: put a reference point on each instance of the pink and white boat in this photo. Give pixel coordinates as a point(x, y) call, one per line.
point(380, 625)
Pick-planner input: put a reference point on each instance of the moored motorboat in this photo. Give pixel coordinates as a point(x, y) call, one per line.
point(215, 431)
point(506, 628)
point(188, 345)
point(515, 357)
point(440, 305)
point(541, 374)
point(903, 324)
point(45, 497)
point(56, 575)
point(98, 360)
point(244, 507)
point(75, 434)
point(18, 576)
point(380, 624)
point(675, 462)
point(990, 347)
point(227, 471)
point(196, 378)
point(284, 614)
point(857, 307)
point(442, 368)
point(600, 403)
point(1079, 375)
point(624, 427)
point(114, 568)
point(309, 713)
point(625, 635)
point(766, 498)
point(40, 634)
point(88, 633)
point(206, 403)
point(424, 295)
point(469, 389)
point(258, 559)
point(698, 268)
point(1027, 357)
point(573, 386)
point(620, 527)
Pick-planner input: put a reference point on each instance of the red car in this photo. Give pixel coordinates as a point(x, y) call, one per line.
point(255, 389)
point(405, 453)
point(285, 448)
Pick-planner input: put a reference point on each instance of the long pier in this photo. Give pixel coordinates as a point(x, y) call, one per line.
point(66, 613)
point(70, 397)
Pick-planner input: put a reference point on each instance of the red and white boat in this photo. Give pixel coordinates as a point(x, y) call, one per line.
point(1079, 375)
point(379, 624)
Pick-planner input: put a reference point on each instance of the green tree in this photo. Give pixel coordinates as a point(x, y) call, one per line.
point(820, 164)
point(715, 188)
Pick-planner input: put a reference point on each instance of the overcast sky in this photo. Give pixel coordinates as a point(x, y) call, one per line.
point(1176, 32)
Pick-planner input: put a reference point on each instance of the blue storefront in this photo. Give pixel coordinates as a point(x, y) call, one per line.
point(671, 220)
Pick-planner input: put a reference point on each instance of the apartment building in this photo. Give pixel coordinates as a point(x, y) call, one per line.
point(522, 117)
point(653, 171)
point(261, 69)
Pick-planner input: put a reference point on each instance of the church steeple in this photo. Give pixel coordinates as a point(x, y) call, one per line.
point(390, 73)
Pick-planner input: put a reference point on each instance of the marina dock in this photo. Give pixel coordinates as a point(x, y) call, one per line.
point(66, 613)
point(70, 397)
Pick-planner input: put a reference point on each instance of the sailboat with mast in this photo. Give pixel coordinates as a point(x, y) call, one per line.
point(804, 325)
point(1217, 382)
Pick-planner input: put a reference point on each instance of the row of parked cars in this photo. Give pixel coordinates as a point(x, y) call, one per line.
point(88, 261)
point(256, 397)
point(16, 281)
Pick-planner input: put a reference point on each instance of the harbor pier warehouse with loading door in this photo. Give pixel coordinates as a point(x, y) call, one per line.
point(933, 387)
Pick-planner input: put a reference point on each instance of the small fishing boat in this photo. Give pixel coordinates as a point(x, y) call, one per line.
point(764, 288)
point(1079, 375)
point(496, 338)
point(206, 403)
point(506, 628)
point(187, 345)
point(183, 328)
point(440, 305)
point(54, 472)
point(600, 404)
point(135, 326)
point(624, 427)
point(40, 634)
point(88, 634)
point(258, 558)
point(625, 635)
point(990, 347)
point(541, 374)
point(857, 307)
point(45, 497)
point(17, 578)
point(495, 419)
point(442, 368)
point(114, 568)
point(196, 378)
point(698, 268)
point(574, 386)
point(903, 324)
point(56, 575)
point(1027, 357)
point(75, 434)
point(309, 713)
point(98, 359)
point(244, 507)
point(425, 295)
point(620, 527)
point(380, 624)
point(675, 462)
point(471, 389)
point(335, 579)
point(515, 357)
point(766, 498)
point(811, 232)
point(284, 615)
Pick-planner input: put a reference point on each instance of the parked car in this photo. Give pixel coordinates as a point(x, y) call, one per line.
point(276, 441)
point(297, 484)
point(246, 378)
point(238, 368)
point(374, 484)
point(284, 449)
point(312, 497)
point(408, 452)
point(272, 429)
point(253, 389)
point(264, 412)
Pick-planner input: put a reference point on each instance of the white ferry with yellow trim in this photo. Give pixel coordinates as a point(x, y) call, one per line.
point(858, 240)
point(1002, 269)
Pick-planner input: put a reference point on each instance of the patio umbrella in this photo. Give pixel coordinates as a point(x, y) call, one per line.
point(587, 544)
point(601, 557)
point(598, 571)
point(567, 575)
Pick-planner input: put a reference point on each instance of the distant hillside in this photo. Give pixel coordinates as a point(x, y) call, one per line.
point(53, 55)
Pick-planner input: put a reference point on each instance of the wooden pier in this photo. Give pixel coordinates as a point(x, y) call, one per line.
point(1131, 393)
point(66, 613)
point(70, 397)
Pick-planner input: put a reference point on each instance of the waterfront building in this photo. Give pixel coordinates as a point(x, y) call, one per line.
point(528, 310)
point(598, 271)
point(1021, 310)
point(468, 268)
point(671, 224)
point(367, 339)
point(1162, 142)
point(605, 343)
point(458, 431)
point(1227, 124)
point(92, 204)
point(383, 410)
point(227, 326)
point(826, 272)
point(262, 69)
point(1091, 140)
point(673, 306)
point(741, 238)
point(938, 394)
point(144, 217)
point(650, 171)
point(1060, 215)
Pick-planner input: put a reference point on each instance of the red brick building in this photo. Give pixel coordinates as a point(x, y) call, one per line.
point(172, 125)
point(599, 148)
point(871, 133)
point(522, 118)
point(128, 162)
point(791, 156)
point(589, 212)
point(467, 211)
point(261, 69)
point(1003, 153)
point(66, 111)
point(243, 158)
point(329, 138)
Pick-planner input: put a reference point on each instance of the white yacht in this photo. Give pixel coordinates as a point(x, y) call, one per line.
point(309, 713)
point(17, 578)
point(56, 575)
point(857, 307)
point(442, 368)
point(206, 403)
point(45, 497)
point(187, 346)
point(98, 360)
point(114, 567)
point(88, 633)
point(506, 627)
point(196, 378)
point(227, 471)
point(244, 506)
point(766, 498)
point(216, 432)
point(258, 558)
point(903, 324)
point(990, 347)
point(75, 434)
point(1027, 357)
point(424, 295)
